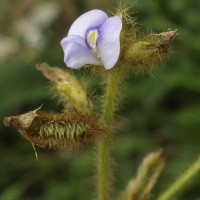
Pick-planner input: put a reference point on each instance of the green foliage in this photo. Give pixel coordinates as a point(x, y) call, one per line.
point(159, 110)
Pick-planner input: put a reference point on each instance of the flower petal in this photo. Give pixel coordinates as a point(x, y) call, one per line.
point(89, 20)
point(109, 41)
point(73, 38)
point(77, 53)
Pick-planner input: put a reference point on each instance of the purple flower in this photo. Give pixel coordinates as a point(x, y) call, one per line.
point(93, 39)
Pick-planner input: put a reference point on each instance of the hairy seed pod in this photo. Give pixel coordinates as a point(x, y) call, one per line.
point(70, 90)
point(55, 130)
point(143, 54)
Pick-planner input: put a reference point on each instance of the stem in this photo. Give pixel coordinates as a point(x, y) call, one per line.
point(181, 181)
point(104, 168)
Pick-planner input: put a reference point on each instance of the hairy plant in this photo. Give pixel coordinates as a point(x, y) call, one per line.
point(112, 48)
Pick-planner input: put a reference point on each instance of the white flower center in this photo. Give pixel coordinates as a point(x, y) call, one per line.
point(92, 41)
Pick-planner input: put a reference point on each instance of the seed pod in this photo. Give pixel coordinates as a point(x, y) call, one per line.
point(54, 130)
point(142, 55)
point(71, 92)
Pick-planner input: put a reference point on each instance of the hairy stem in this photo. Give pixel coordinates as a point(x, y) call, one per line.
point(104, 168)
point(181, 181)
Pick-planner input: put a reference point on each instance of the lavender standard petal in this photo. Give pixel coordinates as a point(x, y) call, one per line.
point(109, 41)
point(77, 53)
point(89, 20)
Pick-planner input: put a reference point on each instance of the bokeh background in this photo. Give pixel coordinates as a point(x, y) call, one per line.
point(160, 110)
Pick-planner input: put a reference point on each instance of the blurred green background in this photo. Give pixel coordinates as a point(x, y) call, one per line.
point(160, 110)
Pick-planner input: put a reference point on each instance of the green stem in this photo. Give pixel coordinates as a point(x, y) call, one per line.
point(181, 181)
point(104, 168)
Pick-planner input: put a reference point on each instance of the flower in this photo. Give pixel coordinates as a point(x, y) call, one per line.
point(94, 38)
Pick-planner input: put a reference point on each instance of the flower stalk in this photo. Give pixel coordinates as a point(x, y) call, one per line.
point(104, 165)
